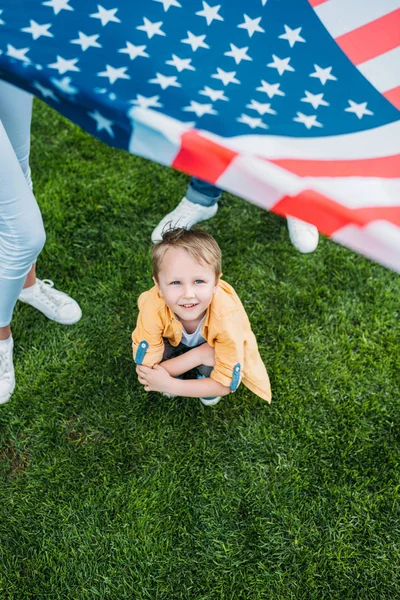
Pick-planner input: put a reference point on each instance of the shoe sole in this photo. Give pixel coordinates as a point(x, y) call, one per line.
point(210, 402)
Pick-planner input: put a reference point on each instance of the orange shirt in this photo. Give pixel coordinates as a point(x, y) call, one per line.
point(226, 328)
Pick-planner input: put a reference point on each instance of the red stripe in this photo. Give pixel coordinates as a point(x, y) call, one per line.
point(316, 2)
point(202, 157)
point(330, 216)
point(386, 166)
point(393, 96)
point(372, 39)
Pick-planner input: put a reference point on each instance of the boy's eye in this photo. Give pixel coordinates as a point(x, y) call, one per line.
point(199, 281)
point(175, 282)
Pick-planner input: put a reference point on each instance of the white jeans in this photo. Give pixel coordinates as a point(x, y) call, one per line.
point(22, 234)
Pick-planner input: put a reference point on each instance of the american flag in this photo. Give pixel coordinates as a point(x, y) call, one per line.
point(290, 104)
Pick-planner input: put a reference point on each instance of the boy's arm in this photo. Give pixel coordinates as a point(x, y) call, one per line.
point(158, 379)
point(147, 340)
point(202, 355)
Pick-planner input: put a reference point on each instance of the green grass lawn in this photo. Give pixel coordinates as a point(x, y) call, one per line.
point(109, 492)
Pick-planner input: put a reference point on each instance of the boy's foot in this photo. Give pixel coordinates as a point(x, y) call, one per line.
point(303, 236)
point(56, 305)
point(7, 377)
point(210, 401)
point(185, 215)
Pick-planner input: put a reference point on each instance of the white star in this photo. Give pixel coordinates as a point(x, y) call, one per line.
point(292, 35)
point(272, 89)
point(134, 51)
point(180, 63)
point(307, 120)
point(147, 101)
point(86, 41)
point(62, 65)
point(165, 82)
point(168, 3)
point(358, 109)
point(1, 20)
point(225, 76)
point(64, 85)
point(200, 109)
point(114, 73)
point(251, 25)
point(281, 64)
point(210, 13)
point(151, 28)
point(58, 5)
point(38, 30)
point(18, 54)
point(106, 16)
point(261, 108)
point(238, 54)
point(196, 41)
point(46, 92)
point(102, 122)
point(264, 2)
point(213, 94)
point(315, 99)
point(252, 122)
point(323, 74)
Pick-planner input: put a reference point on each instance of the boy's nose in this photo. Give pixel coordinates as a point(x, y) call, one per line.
point(188, 292)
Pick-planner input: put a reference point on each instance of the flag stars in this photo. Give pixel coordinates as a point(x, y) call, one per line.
point(238, 54)
point(225, 76)
point(165, 82)
point(252, 122)
point(292, 35)
point(64, 85)
point(262, 109)
point(271, 89)
point(168, 3)
point(323, 74)
point(307, 120)
point(86, 41)
point(46, 92)
point(114, 73)
point(280, 64)
point(200, 109)
point(147, 101)
point(1, 20)
point(210, 13)
point(195, 41)
point(134, 51)
point(358, 109)
point(251, 25)
point(63, 65)
point(150, 28)
point(315, 100)
point(213, 94)
point(18, 53)
point(102, 122)
point(106, 16)
point(181, 64)
point(37, 30)
point(58, 5)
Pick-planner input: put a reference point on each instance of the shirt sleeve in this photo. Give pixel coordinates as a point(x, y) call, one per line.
point(147, 339)
point(229, 353)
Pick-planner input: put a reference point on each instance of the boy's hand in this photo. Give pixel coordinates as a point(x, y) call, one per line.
point(207, 355)
point(156, 379)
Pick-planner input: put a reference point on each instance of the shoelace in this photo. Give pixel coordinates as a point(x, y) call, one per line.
point(45, 288)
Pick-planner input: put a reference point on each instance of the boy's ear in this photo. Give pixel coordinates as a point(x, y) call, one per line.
point(217, 282)
point(157, 286)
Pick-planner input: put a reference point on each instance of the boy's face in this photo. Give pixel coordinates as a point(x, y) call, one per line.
point(186, 285)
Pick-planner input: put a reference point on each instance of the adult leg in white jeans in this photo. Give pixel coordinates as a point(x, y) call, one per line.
point(21, 232)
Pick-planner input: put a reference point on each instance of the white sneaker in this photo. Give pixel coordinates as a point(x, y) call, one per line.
point(7, 377)
point(303, 236)
point(185, 215)
point(210, 401)
point(56, 305)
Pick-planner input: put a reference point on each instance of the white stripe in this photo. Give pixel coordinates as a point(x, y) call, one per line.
point(342, 16)
point(358, 192)
point(373, 143)
point(383, 71)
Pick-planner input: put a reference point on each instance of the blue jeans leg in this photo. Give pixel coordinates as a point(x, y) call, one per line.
point(203, 193)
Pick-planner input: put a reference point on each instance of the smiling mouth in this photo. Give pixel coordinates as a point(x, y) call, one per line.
point(188, 305)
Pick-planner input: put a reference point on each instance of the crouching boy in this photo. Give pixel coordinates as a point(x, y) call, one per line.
point(192, 320)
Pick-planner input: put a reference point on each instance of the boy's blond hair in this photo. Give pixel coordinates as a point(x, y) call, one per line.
point(199, 244)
